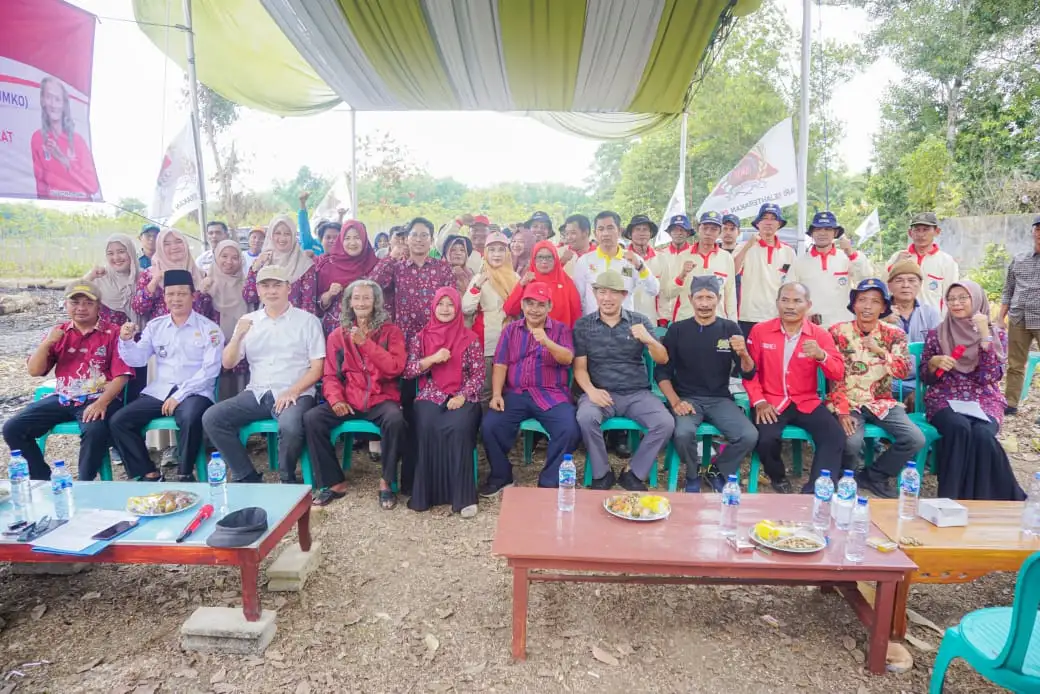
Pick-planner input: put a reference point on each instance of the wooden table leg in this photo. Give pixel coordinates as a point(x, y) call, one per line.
point(899, 618)
point(884, 603)
point(304, 530)
point(250, 594)
point(520, 585)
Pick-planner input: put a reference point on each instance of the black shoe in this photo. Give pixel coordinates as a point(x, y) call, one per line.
point(253, 477)
point(693, 485)
point(782, 486)
point(186, 479)
point(622, 450)
point(1010, 411)
point(488, 490)
point(879, 486)
point(714, 478)
point(605, 482)
point(630, 482)
point(375, 456)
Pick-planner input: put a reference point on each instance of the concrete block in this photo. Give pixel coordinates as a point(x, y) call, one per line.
point(48, 569)
point(290, 570)
point(225, 630)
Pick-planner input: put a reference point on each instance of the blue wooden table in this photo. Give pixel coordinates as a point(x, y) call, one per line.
point(154, 540)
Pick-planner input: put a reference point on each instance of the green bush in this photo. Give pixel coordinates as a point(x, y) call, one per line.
point(992, 271)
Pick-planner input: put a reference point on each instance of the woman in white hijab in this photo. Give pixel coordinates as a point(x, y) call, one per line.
point(117, 280)
point(225, 282)
point(282, 248)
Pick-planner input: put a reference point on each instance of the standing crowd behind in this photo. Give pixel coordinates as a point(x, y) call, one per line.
point(438, 336)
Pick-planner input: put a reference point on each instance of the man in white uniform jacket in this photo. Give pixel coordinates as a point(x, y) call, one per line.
point(939, 268)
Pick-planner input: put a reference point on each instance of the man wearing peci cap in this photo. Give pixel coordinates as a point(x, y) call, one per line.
point(187, 349)
point(704, 259)
point(939, 268)
point(913, 317)
point(610, 370)
point(827, 273)
point(763, 263)
point(285, 348)
point(89, 379)
point(1020, 311)
point(702, 352)
point(530, 380)
point(149, 232)
point(875, 354)
point(609, 255)
point(640, 233)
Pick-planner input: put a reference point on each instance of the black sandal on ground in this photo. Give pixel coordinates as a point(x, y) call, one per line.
point(326, 496)
point(387, 499)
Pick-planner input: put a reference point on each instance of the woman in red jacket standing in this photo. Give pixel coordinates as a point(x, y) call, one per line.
point(364, 360)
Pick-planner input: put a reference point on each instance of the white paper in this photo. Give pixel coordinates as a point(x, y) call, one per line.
point(968, 409)
point(77, 534)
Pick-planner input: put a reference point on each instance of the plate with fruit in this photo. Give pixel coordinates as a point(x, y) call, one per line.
point(787, 536)
point(638, 507)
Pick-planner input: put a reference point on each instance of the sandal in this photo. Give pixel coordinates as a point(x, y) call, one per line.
point(326, 496)
point(387, 499)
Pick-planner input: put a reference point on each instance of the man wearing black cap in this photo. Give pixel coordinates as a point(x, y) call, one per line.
point(730, 233)
point(1021, 301)
point(670, 261)
point(149, 232)
point(187, 349)
point(702, 260)
point(876, 354)
point(827, 273)
point(641, 232)
point(939, 268)
point(763, 262)
point(702, 351)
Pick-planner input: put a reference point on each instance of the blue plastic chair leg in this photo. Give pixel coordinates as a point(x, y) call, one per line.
point(272, 451)
point(796, 457)
point(951, 643)
point(1030, 370)
point(528, 446)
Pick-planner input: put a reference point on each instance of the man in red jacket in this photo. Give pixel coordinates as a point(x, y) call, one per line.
point(787, 352)
point(364, 360)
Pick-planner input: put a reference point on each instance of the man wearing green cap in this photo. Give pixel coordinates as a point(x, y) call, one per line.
point(149, 232)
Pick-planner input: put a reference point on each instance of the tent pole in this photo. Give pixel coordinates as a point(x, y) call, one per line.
point(803, 119)
point(353, 164)
point(193, 82)
point(682, 153)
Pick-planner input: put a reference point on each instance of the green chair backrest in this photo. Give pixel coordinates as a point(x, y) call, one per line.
point(1023, 615)
point(916, 350)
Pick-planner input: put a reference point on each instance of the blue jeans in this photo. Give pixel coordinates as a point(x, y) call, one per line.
point(501, 428)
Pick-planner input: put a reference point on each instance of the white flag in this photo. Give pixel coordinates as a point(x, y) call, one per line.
point(177, 186)
point(870, 226)
point(768, 173)
point(677, 205)
point(337, 197)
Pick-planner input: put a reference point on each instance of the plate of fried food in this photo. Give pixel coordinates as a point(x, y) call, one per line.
point(787, 536)
point(162, 503)
point(638, 507)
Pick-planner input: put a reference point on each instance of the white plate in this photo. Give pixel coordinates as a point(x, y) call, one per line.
point(655, 517)
point(773, 546)
point(196, 498)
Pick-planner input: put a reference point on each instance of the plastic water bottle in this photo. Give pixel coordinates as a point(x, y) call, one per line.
point(909, 491)
point(216, 472)
point(856, 542)
point(1031, 512)
point(844, 501)
point(568, 482)
point(21, 492)
point(821, 510)
point(61, 488)
point(730, 507)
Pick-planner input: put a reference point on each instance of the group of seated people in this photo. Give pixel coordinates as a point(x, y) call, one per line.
point(434, 359)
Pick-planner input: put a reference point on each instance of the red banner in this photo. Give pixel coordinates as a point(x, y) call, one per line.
point(46, 58)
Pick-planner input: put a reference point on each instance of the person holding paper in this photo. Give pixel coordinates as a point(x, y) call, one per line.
point(962, 365)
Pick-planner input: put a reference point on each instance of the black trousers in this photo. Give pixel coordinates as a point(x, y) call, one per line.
point(128, 439)
point(22, 430)
point(408, 393)
point(828, 439)
point(319, 422)
point(746, 325)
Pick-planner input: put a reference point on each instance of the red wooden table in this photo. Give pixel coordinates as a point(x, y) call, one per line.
point(153, 542)
point(541, 544)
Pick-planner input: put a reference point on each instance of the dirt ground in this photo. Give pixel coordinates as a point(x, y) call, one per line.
point(408, 602)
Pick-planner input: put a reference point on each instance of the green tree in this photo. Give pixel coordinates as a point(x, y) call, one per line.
point(130, 206)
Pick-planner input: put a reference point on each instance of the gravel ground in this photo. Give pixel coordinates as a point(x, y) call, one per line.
point(408, 602)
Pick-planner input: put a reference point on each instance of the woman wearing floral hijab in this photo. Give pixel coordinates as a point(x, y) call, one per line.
point(282, 248)
point(171, 253)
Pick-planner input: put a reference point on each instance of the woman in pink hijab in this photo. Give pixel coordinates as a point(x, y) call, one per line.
point(171, 253)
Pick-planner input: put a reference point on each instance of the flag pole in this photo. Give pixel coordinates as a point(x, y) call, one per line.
point(193, 83)
point(682, 151)
point(353, 164)
point(803, 119)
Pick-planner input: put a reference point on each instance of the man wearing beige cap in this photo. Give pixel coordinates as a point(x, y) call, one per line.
point(285, 348)
point(938, 268)
point(89, 375)
point(610, 370)
point(916, 319)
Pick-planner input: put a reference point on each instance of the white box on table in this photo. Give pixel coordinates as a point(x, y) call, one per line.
point(944, 513)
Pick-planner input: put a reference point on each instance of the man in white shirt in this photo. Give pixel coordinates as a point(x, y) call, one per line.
point(763, 263)
point(641, 232)
point(285, 348)
point(186, 347)
point(215, 233)
point(577, 241)
point(668, 265)
point(706, 258)
point(610, 256)
point(827, 273)
point(256, 244)
point(939, 268)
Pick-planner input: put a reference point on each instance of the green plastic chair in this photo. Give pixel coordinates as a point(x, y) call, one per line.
point(69, 429)
point(1001, 643)
point(170, 424)
point(926, 457)
point(269, 429)
point(1034, 359)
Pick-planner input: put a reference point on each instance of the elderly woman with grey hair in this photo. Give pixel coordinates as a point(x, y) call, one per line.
point(364, 359)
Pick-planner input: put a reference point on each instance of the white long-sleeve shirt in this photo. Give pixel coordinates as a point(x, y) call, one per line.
point(187, 357)
point(829, 277)
point(666, 266)
point(764, 271)
point(491, 304)
point(589, 266)
point(940, 271)
point(675, 290)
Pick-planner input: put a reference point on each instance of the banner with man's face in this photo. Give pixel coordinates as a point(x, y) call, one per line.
point(46, 56)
